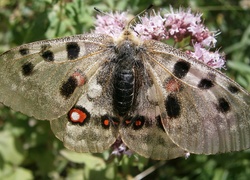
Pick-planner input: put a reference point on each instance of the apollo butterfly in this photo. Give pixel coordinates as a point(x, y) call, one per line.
point(96, 89)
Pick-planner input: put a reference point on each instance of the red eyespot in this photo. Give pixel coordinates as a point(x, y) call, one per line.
point(106, 122)
point(81, 79)
point(77, 115)
point(116, 123)
point(138, 122)
point(128, 121)
point(173, 85)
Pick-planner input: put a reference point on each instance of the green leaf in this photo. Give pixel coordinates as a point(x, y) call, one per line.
point(239, 66)
point(10, 149)
point(9, 172)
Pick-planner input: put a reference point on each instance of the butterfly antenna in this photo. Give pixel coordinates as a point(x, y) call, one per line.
point(101, 12)
point(129, 23)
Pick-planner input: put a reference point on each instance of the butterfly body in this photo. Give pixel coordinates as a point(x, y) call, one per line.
point(95, 89)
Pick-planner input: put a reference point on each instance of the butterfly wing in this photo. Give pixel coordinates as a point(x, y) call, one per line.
point(142, 130)
point(202, 111)
point(146, 136)
point(90, 125)
point(44, 79)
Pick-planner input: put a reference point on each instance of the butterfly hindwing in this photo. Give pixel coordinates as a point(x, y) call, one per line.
point(44, 79)
point(145, 135)
point(90, 125)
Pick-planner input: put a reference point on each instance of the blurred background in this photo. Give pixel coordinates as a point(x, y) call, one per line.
point(28, 148)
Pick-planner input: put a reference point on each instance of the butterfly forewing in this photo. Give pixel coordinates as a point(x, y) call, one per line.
point(44, 79)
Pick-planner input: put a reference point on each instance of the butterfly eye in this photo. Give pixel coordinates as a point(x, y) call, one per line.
point(78, 115)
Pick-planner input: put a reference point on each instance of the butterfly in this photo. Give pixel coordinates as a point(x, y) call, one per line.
point(95, 89)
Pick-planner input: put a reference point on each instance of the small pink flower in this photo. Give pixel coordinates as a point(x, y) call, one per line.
point(151, 27)
point(201, 34)
point(181, 24)
point(213, 59)
point(119, 148)
point(178, 22)
point(111, 24)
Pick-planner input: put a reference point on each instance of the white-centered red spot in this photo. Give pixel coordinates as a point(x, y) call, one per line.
point(76, 115)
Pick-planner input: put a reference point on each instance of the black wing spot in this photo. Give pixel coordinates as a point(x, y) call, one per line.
point(181, 69)
point(233, 89)
point(73, 50)
point(69, 87)
point(24, 51)
point(45, 47)
point(223, 105)
point(27, 68)
point(205, 84)
point(173, 106)
point(48, 56)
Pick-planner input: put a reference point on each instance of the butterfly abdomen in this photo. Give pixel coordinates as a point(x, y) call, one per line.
point(123, 94)
point(124, 77)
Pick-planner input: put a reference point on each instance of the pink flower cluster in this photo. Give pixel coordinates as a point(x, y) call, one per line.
point(182, 24)
point(178, 25)
point(111, 24)
point(213, 59)
point(151, 27)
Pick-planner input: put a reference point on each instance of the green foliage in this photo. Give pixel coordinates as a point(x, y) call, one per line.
point(28, 148)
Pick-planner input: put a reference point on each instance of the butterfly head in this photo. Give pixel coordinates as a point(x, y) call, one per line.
point(128, 33)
